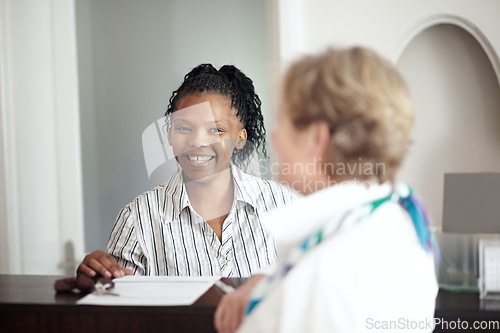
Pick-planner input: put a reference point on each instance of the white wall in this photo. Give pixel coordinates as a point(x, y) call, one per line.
point(4, 239)
point(132, 55)
point(387, 25)
point(41, 149)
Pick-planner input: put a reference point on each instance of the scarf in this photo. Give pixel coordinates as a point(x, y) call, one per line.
point(403, 195)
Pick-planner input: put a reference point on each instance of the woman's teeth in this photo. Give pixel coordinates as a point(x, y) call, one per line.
point(199, 159)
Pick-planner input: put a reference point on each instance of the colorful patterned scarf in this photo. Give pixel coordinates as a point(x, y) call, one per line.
point(403, 195)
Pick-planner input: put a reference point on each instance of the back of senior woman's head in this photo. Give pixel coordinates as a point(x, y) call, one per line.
point(364, 101)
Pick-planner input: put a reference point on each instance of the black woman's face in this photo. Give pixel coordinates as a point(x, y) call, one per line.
point(205, 130)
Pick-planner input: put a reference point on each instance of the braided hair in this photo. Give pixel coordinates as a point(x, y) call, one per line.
point(230, 82)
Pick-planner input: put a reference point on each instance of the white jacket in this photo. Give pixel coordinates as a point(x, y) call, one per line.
point(371, 276)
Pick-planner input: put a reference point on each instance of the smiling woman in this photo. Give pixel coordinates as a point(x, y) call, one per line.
point(205, 219)
point(125, 84)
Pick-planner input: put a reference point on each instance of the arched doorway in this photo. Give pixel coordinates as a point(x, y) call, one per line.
point(457, 98)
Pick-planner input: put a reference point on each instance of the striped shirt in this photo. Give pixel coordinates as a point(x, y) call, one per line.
point(159, 233)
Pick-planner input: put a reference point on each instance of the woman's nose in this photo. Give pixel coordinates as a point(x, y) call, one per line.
point(199, 138)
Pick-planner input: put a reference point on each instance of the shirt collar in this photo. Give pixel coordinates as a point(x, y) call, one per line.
point(177, 200)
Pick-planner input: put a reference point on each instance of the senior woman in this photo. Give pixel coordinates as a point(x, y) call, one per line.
point(355, 252)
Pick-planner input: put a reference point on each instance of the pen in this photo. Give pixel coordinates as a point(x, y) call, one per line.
point(227, 289)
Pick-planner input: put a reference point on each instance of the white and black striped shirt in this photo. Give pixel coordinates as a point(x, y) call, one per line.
point(159, 233)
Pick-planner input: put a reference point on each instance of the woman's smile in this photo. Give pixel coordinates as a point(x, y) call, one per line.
point(200, 161)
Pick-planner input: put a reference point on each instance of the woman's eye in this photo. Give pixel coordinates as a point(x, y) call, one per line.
point(216, 130)
point(182, 129)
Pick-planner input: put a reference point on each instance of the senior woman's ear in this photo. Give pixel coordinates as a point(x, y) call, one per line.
point(318, 139)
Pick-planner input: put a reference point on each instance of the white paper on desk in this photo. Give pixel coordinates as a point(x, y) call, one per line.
point(154, 290)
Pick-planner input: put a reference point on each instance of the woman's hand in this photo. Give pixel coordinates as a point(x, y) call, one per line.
point(231, 309)
point(102, 263)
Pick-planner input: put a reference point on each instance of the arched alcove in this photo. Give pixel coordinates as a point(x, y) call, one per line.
point(457, 99)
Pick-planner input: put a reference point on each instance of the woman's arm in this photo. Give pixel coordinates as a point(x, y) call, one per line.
point(123, 255)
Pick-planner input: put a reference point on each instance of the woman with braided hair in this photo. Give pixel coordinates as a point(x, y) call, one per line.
point(205, 220)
